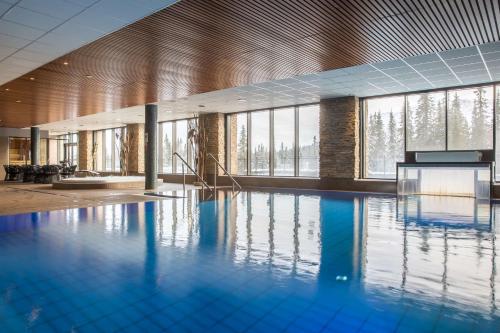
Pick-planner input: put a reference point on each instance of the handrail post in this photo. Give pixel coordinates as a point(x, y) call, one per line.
point(183, 179)
point(215, 176)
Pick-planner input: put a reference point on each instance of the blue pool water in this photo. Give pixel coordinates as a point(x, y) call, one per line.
point(255, 262)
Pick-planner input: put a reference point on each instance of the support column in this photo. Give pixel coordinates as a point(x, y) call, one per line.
point(35, 146)
point(215, 132)
point(151, 151)
point(339, 144)
point(85, 146)
point(135, 133)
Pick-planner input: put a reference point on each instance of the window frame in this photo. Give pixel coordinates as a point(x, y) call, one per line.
point(296, 172)
point(104, 147)
point(445, 90)
point(174, 146)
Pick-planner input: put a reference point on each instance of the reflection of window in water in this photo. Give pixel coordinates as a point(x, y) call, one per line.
point(176, 224)
point(269, 232)
point(429, 261)
point(114, 219)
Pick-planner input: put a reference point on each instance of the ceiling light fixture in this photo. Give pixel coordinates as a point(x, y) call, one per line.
point(65, 63)
point(18, 101)
point(88, 76)
point(32, 78)
point(7, 89)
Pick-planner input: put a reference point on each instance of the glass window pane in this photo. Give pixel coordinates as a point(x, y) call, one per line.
point(309, 141)
point(425, 122)
point(259, 146)
point(108, 149)
point(117, 149)
point(470, 118)
point(181, 141)
point(98, 143)
point(497, 129)
point(166, 166)
point(384, 145)
point(284, 141)
point(242, 145)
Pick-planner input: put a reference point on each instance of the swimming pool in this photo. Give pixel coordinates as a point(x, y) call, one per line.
point(254, 262)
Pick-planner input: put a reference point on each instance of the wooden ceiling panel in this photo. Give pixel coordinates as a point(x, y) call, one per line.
point(197, 46)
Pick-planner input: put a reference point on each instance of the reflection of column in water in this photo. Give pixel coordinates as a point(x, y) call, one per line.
point(335, 219)
point(150, 261)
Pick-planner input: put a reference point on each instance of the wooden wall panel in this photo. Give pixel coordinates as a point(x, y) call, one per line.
point(198, 46)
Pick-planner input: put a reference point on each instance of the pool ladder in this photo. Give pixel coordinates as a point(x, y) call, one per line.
point(217, 165)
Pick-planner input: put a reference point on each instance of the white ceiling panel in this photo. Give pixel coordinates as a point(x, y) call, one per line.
point(32, 19)
point(56, 8)
point(19, 30)
point(53, 28)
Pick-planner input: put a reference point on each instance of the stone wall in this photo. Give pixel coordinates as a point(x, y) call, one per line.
point(215, 131)
point(85, 150)
point(136, 155)
point(339, 138)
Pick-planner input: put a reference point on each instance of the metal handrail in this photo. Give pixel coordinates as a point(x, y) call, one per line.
point(204, 184)
point(225, 172)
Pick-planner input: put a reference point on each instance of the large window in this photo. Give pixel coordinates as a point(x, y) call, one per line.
point(384, 139)
point(259, 143)
point(425, 122)
point(107, 146)
point(276, 142)
point(308, 124)
point(470, 118)
point(453, 119)
point(173, 137)
point(242, 144)
point(67, 148)
point(165, 151)
point(284, 142)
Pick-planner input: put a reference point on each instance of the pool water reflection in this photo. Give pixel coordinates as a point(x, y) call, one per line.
point(255, 262)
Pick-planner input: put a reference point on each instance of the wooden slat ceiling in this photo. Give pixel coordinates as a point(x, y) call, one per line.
point(197, 46)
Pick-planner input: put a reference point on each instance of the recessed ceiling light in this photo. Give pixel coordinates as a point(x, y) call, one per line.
point(7, 89)
point(32, 78)
point(65, 63)
point(18, 101)
point(88, 76)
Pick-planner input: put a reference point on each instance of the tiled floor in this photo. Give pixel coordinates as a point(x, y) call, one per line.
point(27, 197)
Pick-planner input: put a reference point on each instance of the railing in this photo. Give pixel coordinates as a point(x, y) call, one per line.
point(204, 184)
point(217, 164)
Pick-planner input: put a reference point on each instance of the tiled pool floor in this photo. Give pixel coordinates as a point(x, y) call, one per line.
point(257, 262)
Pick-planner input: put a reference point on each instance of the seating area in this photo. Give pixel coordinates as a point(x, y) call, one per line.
point(39, 174)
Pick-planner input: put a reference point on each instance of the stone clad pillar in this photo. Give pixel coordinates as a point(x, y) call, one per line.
point(216, 141)
point(85, 145)
point(35, 146)
point(136, 153)
point(151, 142)
point(340, 142)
